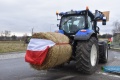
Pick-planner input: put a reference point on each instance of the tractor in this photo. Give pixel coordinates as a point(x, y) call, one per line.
point(82, 30)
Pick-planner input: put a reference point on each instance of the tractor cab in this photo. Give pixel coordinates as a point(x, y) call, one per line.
point(72, 22)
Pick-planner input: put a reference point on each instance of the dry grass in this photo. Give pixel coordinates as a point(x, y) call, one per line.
point(12, 46)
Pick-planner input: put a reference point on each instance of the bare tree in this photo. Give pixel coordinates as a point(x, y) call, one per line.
point(116, 30)
point(7, 33)
point(2, 33)
point(116, 26)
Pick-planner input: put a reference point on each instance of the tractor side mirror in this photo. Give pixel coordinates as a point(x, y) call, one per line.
point(104, 21)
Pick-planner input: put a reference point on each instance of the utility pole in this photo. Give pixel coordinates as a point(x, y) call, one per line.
point(32, 31)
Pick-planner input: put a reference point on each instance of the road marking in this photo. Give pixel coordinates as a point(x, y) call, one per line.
point(65, 77)
point(107, 74)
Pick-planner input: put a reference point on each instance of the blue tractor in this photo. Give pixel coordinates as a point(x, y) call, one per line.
point(82, 30)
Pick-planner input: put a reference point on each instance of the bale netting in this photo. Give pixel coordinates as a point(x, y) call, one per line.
point(57, 54)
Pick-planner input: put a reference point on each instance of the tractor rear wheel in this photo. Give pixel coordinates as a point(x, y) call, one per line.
point(87, 55)
point(103, 52)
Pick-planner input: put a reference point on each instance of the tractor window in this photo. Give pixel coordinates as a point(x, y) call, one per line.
point(71, 24)
point(89, 23)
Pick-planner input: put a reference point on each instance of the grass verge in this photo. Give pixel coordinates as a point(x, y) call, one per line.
point(12, 46)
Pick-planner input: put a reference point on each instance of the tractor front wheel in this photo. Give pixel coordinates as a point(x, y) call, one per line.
point(87, 55)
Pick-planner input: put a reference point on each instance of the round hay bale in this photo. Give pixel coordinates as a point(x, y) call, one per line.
point(58, 54)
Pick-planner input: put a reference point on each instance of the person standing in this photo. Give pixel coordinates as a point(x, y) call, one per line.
point(109, 44)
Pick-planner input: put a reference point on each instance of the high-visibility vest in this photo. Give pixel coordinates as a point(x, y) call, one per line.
point(109, 42)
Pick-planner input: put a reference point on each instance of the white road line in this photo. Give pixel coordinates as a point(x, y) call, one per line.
point(65, 77)
point(107, 74)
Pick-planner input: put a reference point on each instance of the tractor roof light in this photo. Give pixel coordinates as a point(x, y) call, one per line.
point(57, 12)
point(87, 8)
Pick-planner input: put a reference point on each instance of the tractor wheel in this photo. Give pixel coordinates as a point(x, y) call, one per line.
point(103, 52)
point(87, 55)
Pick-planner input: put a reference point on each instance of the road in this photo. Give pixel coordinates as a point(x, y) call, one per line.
point(16, 68)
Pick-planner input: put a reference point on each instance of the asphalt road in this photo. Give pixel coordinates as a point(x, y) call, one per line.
point(18, 69)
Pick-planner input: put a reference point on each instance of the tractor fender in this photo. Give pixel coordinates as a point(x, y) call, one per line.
point(83, 34)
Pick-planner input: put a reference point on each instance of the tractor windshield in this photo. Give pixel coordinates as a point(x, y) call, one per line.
point(72, 24)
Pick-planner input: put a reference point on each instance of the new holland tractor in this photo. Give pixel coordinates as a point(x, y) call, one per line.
point(82, 30)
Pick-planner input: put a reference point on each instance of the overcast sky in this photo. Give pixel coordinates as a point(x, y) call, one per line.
point(20, 16)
